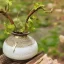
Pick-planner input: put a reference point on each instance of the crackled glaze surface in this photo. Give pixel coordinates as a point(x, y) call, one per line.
point(21, 53)
point(22, 41)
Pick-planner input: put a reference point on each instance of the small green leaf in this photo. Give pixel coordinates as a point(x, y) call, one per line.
point(22, 29)
point(30, 20)
point(6, 32)
point(9, 2)
point(11, 26)
point(36, 5)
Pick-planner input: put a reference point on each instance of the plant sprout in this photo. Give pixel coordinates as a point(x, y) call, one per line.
point(20, 43)
point(25, 31)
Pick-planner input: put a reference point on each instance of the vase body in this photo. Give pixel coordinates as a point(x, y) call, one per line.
point(20, 47)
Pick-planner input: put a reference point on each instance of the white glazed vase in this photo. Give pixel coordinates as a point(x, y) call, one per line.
point(20, 48)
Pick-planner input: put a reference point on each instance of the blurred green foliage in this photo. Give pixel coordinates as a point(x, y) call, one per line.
point(3, 36)
point(18, 10)
point(49, 43)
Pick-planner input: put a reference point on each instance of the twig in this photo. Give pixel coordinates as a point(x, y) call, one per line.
point(7, 16)
point(31, 13)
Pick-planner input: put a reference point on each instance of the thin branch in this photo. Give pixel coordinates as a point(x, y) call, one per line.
point(32, 12)
point(7, 16)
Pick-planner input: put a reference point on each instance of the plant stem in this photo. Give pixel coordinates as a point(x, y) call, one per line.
point(7, 16)
point(31, 13)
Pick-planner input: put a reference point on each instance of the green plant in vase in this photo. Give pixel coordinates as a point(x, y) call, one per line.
point(19, 45)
